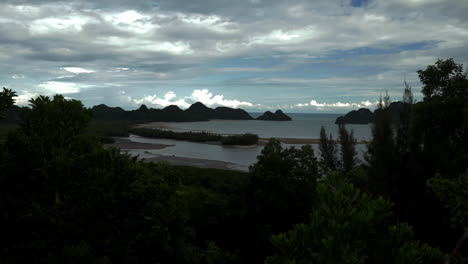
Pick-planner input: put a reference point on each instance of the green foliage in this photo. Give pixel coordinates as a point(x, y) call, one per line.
point(66, 199)
point(245, 139)
point(54, 122)
point(454, 193)
point(280, 193)
point(348, 149)
point(380, 152)
point(6, 99)
point(105, 130)
point(444, 79)
point(162, 133)
point(216, 255)
point(328, 153)
point(404, 138)
point(6, 128)
point(349, 226)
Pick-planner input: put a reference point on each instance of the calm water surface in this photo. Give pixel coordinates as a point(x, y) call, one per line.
point(302, 126)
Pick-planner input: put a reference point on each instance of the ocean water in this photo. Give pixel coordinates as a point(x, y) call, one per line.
point(302, 126)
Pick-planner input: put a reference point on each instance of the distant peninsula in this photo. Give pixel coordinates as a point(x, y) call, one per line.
point(172, 113)
point(277, 116)
point(365, 116)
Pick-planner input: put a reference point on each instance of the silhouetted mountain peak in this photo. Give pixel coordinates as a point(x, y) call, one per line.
point(361, 116)
point(143, 108)
point(277, 116)
point(172, 113)
point(172, 108)
point(198, 106)
point(366, 116)
point(103, 107)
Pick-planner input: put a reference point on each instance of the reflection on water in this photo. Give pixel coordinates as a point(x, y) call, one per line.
point(241, 157)
point(302, 126)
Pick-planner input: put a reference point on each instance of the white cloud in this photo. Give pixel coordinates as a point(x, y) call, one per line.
point(207, 98)
point(224, 47)
point(77, 70)
point(24, 97)
point(203, 96)
point(131, 21)
point(63, 87)
point(333, 106)
point(71, 24)
point(210, 22)
point(15, 76)
point(371, 18)
point(162, 102)
point(280, 37)
point(139, 44)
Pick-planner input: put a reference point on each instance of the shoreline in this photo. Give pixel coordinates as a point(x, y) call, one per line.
point(261, 141)
point(201, 163)
point(125, 143)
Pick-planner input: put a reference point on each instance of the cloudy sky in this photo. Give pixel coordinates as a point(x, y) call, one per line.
point(297, 55)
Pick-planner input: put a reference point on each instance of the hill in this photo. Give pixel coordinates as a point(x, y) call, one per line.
point(366, 116)
point(277, 116)
point(172, 113)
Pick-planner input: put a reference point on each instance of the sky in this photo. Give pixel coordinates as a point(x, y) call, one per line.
point(300, 56)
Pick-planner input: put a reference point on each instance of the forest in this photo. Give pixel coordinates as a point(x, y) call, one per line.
point(65, 198)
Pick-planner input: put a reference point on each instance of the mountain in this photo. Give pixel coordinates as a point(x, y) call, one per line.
point(231, 113)
point(361, 116)
point(366, 116)
point(105, 112)
point(172, 113)
point(277, 116)
point(200, 112)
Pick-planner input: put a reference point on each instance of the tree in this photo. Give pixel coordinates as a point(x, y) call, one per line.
point(349, 226)
point(380, 152)
point(429, 138)
point(348, 148)
point(404, 139)
point(280, 193)
point(444, 79)
point(328, 150)
point(454, 193)
point(54, 122)
point(442, 118)
point(6, 99)
point(48, 128)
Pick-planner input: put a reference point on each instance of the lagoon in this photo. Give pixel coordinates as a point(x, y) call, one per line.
point(240, 158)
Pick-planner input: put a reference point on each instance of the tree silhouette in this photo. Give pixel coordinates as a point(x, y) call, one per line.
point(328, 153)
point(6, 99)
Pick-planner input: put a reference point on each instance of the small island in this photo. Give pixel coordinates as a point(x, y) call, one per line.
point(277, 116)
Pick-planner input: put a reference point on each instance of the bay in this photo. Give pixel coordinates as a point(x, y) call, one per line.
point(302, 126)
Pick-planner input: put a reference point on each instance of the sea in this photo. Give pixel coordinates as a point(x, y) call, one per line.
point(240, 158)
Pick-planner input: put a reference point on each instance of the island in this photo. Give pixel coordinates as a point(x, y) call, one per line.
point(196, 112)
point(365, 116)
point(277, 116)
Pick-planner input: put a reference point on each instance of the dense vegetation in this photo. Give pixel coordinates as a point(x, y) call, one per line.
point(244, 139)
point(66, 199)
